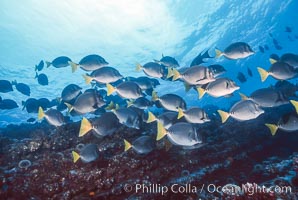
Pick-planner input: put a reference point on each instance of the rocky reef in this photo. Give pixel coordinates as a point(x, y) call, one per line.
point(242, 154)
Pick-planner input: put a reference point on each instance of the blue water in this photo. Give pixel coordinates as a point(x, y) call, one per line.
point(130, 32)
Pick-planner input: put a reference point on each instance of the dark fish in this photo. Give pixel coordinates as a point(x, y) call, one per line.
point(286, 88)
point(42, 79)
point(59, 62)
point(90, 63)
point(44, 103)
point(266, 47)
point(0, 98)
point(261, 49)
point(31, 105)
point(274, 57)
point(275, 42)
point(291, 59)
point(199, 59)
point(5, 86)
point(288, 29)
point(7, 104)
point(217, 70)
point(88, 154)
point(249, 72)
point(278, 47)
point(30, 120)
point(241, 77)
point(142, 145)
point(22, 88)
point(70, 92)
point(40, 66)
point(168, 61)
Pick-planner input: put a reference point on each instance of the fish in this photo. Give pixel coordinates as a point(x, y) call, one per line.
point(105, 125)
point(242, 111)
point(241, 77)
point(193, 115)
point(59, 62)
point(141, 102)
point(40, 66)
point(8, 104)
point(295, 104)
point(195, 75)
point(103, 75)
point(169, 102)
point(42, 79)
point(199, 59)
point(249, 72)
point(266, 47)
point(53, 117)
point(287, 88)
point(86, 102)
point(128, 117)
point(278, 70)
point(261, 49)
point(273, 58)
point(181, 134)
point(288, 29)
point(89, 63)
point(142, 145)
point(166, 118)
point(168, 61)
point(5, 86)
point(288, 123)
point(218, 88)
point(88, 153)
point(235, 50)
point(126, 90)
point(217, 70)
point(31, 105)
point(44, 103)
point(267, 97)
point(152, 69)
point(70, 92)
point(291, 59)
point(31, 119)
point(144, 82)
point(22, 88)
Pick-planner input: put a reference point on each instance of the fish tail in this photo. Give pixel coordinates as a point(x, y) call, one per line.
point(170, 72)
point(218, 53)
point(139, 67)
point(129, 103)
point(48, 63)
point(273, 128)
point(74, 66)
point(127, 145)
point(295, 104)
point(243, 97)
point(180, 113)
point(224, 115)
point(87, 78)
point(161, 131)
point(151, 117)
point(272, 61)
point(40, 113)
point(111, 106)
point(263, 73)
point(14, 82)
point(69, 106)
point(75, 156)
point(176, 74)
point(201, 92)
point(186, 87)
point(85, 127)
point(154, 96)
point(36, 68)
point(110, 89)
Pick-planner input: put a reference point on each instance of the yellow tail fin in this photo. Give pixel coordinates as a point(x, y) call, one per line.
point(87, 78)
point(177, 75)
point(40, 113)
point(86, 126)
point(70, 107)
point(170, 72)
point(243, 97)
point(75, 156)
point(154, 96)
point(273, 128)
point(151, 117)
point(110, 89)
point(161, 131)
point(74, 66)
point(224, 115)
point(48, 63)
point(263, 73)
point(139, 67)
point(127, 145)
point(272, 61)
point(111, 106)
point(201, 92)
point(295, 104)
point(129, 103)
point(180, 113)
point(218, 53)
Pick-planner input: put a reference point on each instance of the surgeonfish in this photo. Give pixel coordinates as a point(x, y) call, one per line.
point(142, 145)
point(103, 75)
point(127, 90)
point(88, 154)
point(235, 50)
point(288, 123)
point(193, 115)
point(170, 102)
point(53, 117)
point(59, 62)
point(89, 63)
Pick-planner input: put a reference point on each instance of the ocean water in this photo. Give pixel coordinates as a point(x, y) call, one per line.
point(128, 32)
